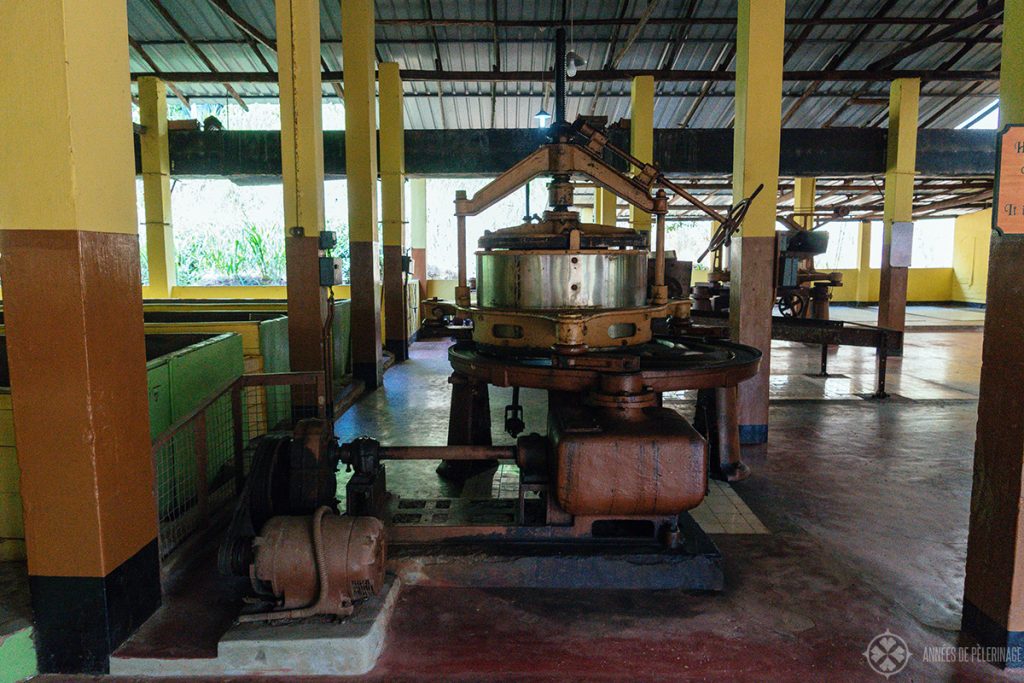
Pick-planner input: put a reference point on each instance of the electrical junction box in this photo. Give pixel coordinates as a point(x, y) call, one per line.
point(330, 271)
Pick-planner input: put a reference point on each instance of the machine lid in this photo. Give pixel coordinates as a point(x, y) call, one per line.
point(554, 233)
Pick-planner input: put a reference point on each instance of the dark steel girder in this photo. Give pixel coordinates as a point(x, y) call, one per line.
point(595, 76)
point(829, 152)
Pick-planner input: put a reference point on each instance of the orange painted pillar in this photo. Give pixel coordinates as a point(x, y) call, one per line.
point(73, 313)
point(302, 174)
point(361, 174)
point(392, 200)
point(993, 606)
point(760, 34)
point(897, 232)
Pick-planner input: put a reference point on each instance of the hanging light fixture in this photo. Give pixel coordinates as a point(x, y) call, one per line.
point(573, 62)
point(542, 118)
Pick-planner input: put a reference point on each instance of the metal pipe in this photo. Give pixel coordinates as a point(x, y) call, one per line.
point(447, 452)
point(709, 210)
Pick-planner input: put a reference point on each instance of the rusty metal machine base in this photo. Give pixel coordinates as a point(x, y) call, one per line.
point(519, 561)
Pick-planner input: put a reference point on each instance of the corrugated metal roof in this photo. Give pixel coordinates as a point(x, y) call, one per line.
point(529, 48)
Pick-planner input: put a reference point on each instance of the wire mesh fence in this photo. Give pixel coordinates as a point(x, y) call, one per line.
point(202, 459)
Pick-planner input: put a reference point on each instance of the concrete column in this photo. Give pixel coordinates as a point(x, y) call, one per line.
point(993, 611)
point(302, 171)
point(900, 157)
point(803, 201)
point(73, 313)
point(760, 33)
point(604, 207)
point(864, 263)
point(641, 137)
point(418, 231)
point(392, 189)
point(361, 172)
point(156, 186)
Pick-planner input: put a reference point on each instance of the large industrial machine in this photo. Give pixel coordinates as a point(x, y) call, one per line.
point(561, 306)
point(801, 291)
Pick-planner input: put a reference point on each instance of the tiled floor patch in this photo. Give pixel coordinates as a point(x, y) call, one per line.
point(724, 512)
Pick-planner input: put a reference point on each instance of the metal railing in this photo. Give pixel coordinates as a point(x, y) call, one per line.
point(201, 460)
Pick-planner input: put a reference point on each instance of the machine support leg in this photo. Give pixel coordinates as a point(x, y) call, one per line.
point(730, 455)
point(717, 419)
point(824, 360)
point(469, 424)
point(883, 357)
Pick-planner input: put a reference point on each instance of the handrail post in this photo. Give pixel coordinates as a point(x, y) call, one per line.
point(202, 459)
point(237, 427)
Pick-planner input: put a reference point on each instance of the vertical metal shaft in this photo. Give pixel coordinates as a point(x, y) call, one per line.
point(659, 254)
point(461, 239)
point(462, 250)
point(560, 115)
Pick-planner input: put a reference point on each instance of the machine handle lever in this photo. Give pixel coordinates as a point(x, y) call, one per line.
point(730, 223)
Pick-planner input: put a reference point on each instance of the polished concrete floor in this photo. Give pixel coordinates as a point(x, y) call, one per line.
point(918, 315)
point(865, 503)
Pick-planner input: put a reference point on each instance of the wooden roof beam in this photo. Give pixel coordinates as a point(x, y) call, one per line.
point(156, 72)
point(177, 28)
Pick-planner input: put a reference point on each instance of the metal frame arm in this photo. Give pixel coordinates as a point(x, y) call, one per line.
point(558, 158)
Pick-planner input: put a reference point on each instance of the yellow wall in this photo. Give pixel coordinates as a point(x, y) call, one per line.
point(442, 289)
point(972, 236)
point(281, 292)
point(924, 284)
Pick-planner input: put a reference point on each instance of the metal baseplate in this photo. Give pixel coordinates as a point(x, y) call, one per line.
point(535, 557)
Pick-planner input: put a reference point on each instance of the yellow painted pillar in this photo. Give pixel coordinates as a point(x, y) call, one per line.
point(1011, 72)
point(418, 231)
point(993, 605)
point(156, 186)
point(69, 259)
point(864, 263)
point(604, 207)
point(361, 173)
point(901, 155)
point(641, 137)
point(803, 201)
point(392, 190)
point(759, 44)
point(302, 171)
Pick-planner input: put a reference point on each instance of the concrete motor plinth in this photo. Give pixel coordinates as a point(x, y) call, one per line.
point(311, 647)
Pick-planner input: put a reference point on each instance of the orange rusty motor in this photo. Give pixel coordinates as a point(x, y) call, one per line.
point(319, 565)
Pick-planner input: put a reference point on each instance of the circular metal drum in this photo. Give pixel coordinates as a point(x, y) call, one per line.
point(538, 280)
